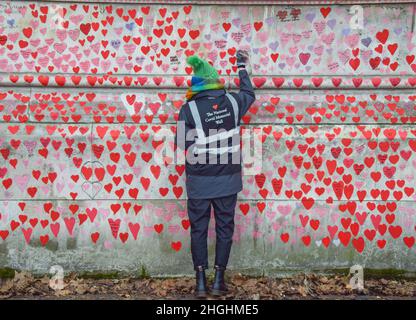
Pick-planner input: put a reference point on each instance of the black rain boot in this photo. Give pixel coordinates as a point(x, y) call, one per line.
point(201, 289)
point(218, 287)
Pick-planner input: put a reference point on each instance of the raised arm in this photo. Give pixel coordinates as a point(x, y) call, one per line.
point(246, 93)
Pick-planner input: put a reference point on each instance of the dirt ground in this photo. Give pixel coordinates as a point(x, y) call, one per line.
point(302, 286)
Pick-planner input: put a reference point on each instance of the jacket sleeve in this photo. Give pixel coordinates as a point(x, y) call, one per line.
point(246, 93)
point(182, 128)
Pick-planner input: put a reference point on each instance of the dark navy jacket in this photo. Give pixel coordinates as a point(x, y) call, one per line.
point(207, 181)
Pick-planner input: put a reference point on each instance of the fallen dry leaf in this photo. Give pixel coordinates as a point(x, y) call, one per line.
point(241, 287)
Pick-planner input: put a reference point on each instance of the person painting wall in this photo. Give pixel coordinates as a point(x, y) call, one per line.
point(211, 118)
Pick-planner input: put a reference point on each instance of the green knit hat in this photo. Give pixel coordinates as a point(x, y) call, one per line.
point(202, 68)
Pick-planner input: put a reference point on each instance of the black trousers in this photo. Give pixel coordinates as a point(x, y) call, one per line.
point(199, 211)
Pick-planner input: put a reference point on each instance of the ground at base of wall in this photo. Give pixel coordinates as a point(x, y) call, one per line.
point(311, 286)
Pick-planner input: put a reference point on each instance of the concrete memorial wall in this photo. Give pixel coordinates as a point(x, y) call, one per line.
point(85, 87)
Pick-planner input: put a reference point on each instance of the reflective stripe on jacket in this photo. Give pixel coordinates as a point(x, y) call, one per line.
point(208, 139)
point(203, 103)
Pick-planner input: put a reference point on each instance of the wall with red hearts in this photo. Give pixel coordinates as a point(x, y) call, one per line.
point(84, 88)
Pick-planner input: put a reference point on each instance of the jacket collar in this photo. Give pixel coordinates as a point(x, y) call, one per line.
point(206, 93)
